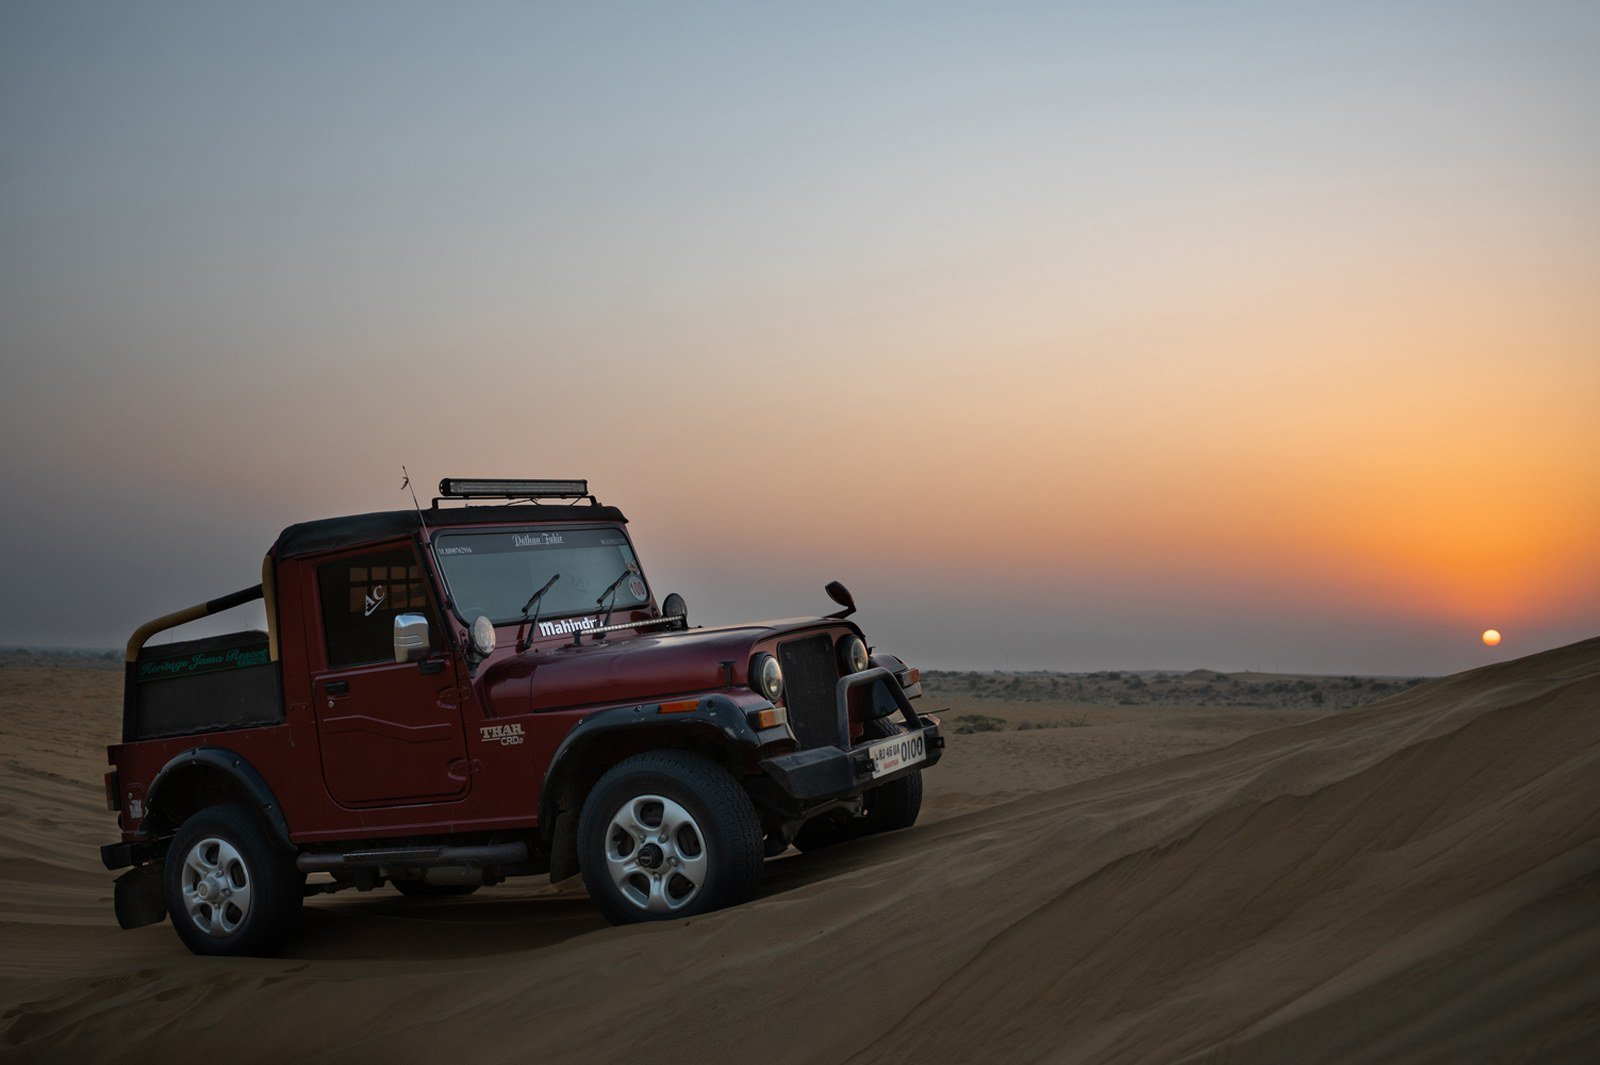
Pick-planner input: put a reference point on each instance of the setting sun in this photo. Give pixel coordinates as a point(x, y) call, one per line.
point(1491, 636)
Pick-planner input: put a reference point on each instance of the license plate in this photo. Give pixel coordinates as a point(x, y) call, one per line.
point(897, 753)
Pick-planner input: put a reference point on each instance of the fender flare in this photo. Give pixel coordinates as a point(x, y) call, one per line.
point(899, 670)
point(236, 767)
point(718, 719)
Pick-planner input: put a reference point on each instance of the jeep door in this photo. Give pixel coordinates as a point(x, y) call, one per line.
point(390, 732)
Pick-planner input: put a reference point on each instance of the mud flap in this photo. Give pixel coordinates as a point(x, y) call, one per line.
point(564, 847)
point(138, 896)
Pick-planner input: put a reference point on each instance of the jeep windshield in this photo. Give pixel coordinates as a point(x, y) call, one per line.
point(493, 572)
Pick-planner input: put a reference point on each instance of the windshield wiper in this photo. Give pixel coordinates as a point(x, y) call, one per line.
point(611, 591)
point(533, 601)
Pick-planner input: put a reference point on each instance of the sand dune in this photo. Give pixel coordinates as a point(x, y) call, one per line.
point(1417, 880)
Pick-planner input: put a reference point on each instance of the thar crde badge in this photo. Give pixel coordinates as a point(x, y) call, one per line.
point(508, 735)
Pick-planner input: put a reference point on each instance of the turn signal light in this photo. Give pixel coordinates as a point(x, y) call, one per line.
point(680, 706)
point(771, 717)
point(910, 677)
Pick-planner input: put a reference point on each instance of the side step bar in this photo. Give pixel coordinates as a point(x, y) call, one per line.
point(486, 854)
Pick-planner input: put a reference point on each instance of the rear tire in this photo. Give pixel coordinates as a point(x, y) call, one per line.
point(668, 834)
point(229, 890)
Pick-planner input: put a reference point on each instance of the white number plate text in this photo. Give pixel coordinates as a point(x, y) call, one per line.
point(897, 753)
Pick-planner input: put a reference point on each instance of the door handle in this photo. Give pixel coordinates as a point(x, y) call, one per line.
point(337, 687)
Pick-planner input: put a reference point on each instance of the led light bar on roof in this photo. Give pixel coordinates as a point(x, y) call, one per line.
point(489, 488)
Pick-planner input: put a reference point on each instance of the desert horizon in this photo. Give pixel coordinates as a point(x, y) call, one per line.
point(1405, 879)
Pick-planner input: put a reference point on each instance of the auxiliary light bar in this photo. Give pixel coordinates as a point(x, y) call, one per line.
point(500, 488)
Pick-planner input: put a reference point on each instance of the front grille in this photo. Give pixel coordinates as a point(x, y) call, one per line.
point(809, 678)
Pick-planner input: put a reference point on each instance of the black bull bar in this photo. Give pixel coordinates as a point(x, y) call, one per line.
point(827, 774)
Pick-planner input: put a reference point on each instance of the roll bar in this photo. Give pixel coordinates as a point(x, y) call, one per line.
point(193, 613)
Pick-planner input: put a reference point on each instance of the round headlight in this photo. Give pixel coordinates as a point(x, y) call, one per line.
point(852, 654)
point(766, 677)
point(482, 637)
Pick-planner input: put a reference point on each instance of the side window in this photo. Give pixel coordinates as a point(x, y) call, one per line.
point(360, 598)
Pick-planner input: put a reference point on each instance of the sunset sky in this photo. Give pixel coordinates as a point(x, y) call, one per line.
point(1221, 335)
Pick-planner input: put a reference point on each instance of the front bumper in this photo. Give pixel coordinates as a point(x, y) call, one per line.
point(821, 775)
point(804, 780)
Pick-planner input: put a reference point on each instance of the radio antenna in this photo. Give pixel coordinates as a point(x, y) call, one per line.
point(405, 483)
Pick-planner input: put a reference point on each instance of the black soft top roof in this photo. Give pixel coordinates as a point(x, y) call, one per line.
point(331, 534)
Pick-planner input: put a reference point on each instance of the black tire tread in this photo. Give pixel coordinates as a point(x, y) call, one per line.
point(897, 804)
point(275, 883)
point(727, 805)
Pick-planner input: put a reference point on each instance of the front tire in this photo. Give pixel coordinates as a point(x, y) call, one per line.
point(885, 808)
point(668, 834)
point(229, 891)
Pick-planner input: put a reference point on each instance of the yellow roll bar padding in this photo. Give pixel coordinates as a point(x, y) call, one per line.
point(193, 613)
point(269, 592)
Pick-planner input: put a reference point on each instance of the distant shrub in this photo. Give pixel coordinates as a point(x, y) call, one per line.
point(970, 723)
point(1066, 722)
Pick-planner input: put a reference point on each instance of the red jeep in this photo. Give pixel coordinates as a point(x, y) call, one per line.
point(448, 697)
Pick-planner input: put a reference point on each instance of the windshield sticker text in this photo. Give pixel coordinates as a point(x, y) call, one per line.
point(567, 625)
point(536, 539)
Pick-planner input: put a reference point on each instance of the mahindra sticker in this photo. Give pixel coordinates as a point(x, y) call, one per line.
point(567, 626)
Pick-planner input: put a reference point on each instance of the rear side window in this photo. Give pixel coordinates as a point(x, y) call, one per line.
point(360, 598)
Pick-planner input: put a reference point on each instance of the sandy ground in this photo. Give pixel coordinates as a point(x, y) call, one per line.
point(1414, 880)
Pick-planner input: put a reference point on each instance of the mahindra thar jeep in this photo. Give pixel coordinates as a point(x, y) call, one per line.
point(488, 688)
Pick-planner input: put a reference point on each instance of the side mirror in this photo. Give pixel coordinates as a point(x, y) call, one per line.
point(674, 606)
point(841, 595)
point(411, 641)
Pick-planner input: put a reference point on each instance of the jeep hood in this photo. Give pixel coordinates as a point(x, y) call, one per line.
point(643, 668)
